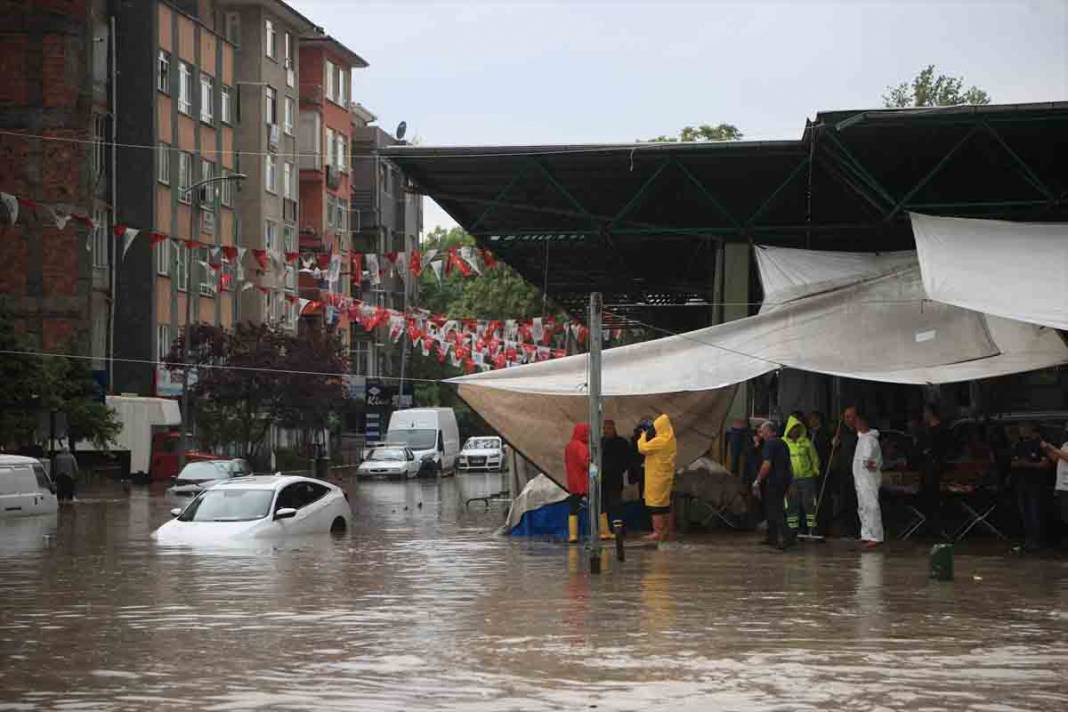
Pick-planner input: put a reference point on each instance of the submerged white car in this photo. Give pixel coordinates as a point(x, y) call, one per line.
point(481, 453)
point(258, 507)
point(385, 461)
point(25, 488)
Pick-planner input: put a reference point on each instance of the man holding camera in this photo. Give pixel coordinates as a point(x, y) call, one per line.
point(657, 443)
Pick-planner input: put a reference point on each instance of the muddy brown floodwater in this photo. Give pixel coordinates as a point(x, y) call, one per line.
point(418, 608)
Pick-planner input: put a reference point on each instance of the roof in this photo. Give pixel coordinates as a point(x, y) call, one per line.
point(641, 222)
point(353, 59)
point(299, 22)
point(263, 482)
point(18, 460)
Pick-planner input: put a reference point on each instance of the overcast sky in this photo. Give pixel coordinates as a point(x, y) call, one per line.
point(593, 72)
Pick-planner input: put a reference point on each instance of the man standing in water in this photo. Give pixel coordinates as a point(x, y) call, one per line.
point(845, 446)
point(616, 457)
point(65, 473)
point(867, 475)
point(577, 465)
point(776, 476)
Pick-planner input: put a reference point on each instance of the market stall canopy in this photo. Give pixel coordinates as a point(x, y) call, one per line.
point(960, 259)
point(863, 316)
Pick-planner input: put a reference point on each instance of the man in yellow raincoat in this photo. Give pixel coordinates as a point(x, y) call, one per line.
point(805, 464)
point(659, 451)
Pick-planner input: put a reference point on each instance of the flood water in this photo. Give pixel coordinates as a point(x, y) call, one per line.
point(419, 608)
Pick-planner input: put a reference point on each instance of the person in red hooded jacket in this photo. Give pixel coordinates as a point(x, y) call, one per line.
point(577, 465)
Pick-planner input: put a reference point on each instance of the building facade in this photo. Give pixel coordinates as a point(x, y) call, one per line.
point(55, 118)
point(326, 68)
point(265, 35)
point(387, 217)
point(178, 96)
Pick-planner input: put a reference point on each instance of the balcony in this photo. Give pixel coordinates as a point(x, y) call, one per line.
point(311, 94)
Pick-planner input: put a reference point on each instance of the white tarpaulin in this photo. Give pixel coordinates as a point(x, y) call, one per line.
point(961, 259)
point(868, 319)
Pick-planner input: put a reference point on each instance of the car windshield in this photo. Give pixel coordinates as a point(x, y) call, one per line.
point(199, 471)
point(387, 454)
point(228, 505)
point(415, 439)
point(482, 444)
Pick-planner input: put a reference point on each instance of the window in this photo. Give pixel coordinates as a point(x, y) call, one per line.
point(226, 189)
point(270, 174)
point(163, 164)
point(340, 159)
point(181, 268)
point(331, 82)
point(205, 274)
point(287, 180)
point(100, 238)
point(361, 357)
point(289, 244)
point(99, 129)
point(233, 28)
point(185, 176)
point(271, 45)
point(289, 63)
point(383, 177)
point(330, 201)
point(270, 235)
point(207, 98)
point(163, 341)
point(163, 258)
point(226, 108)
point(270, 109)
point(185, 88)
point(163, 73)
point(299, 495)
point(207, 192)
point(287, 116)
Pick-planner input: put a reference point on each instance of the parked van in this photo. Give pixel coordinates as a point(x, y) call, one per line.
point(25, 488)
point(431, 433)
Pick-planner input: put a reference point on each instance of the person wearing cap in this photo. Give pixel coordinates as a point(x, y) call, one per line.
point(1061, 487)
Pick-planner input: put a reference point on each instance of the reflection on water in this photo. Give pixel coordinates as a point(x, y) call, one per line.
point(420, 607)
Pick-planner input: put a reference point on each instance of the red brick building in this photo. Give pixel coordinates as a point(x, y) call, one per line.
point(54, 116)
point(325, 168)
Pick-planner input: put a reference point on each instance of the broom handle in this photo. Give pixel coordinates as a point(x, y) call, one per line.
point(827, 468)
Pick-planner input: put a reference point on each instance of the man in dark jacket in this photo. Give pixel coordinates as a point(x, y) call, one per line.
point(845, 445)
point(775, 477)
point(617, 456)
point(821, 440)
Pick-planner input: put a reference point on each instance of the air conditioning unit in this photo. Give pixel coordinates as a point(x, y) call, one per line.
point(274, 136)
point(207, 222)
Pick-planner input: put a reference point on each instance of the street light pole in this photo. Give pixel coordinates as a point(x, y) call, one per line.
point(194, 232)
point(596, 418)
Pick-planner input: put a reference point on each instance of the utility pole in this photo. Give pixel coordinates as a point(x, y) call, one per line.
point(113, 296)
point(596, 419)
point(194, 232)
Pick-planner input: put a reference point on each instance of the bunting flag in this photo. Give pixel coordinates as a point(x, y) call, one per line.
point(436, 268)
point(12, 204)
point(415, 265)
point(128, 235)
point(230, 252)
point(488, 259)
point(60, 217)
point(468, 254)
point(291, 257)
point(372, 268)
point(356, 259)
point(261, 258)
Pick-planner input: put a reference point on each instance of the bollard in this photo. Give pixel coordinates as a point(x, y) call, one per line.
point(941, 562)
point(617, 528)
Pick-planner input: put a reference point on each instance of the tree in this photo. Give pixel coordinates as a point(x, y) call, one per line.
point(250, 379)
point(703, 133)
point(928, 90)
point(20, 396)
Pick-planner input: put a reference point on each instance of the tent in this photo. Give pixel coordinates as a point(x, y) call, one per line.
point(856, 315)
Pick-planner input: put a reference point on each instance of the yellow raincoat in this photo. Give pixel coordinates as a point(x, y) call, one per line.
point(659, 463)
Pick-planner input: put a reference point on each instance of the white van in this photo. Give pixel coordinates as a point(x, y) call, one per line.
point(25, 489)
point(430, 433)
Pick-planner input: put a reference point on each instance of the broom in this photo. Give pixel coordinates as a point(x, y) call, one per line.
point(823, 486)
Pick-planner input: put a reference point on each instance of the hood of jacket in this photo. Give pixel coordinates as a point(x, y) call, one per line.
point(790, 423)
point(663, 426)
point(581, 432)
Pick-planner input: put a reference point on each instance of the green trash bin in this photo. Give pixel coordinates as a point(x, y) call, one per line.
point(942, 562)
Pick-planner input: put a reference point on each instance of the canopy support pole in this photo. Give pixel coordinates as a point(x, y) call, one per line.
point(596, 427)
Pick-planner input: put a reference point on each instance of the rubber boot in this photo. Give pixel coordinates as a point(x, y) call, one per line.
point(606, 529)
point(572, 529)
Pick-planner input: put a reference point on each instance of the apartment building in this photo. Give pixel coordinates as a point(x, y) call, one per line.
point(325, 133)
point(265, 35)
point(56, 121)
point(387, 217)
point(178, 95)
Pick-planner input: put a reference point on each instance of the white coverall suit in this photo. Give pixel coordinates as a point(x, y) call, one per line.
point(867, 482)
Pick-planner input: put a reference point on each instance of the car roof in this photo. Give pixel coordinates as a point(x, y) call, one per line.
point(266, 482)
point(18, 460)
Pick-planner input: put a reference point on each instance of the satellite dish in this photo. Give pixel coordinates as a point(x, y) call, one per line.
point(402, 128)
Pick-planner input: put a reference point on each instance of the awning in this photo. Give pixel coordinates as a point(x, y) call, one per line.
point(960, 259)
point(854, 315)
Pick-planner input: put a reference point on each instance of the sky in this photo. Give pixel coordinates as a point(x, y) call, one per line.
point(589, 71)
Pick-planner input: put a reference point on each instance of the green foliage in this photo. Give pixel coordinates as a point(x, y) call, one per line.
point(36, 384)
point(703, 133)
point(928, 90)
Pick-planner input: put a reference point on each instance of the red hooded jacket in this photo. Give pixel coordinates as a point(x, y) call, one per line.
point(577, 459)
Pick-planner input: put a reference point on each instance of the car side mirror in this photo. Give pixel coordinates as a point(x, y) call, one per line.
point(176, 511)
point(285, 513)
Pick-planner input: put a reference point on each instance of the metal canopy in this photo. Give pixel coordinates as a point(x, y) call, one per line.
point(641, 222)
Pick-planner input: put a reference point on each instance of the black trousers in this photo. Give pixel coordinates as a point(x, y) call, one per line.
point(775, 512)
point(64, 487)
